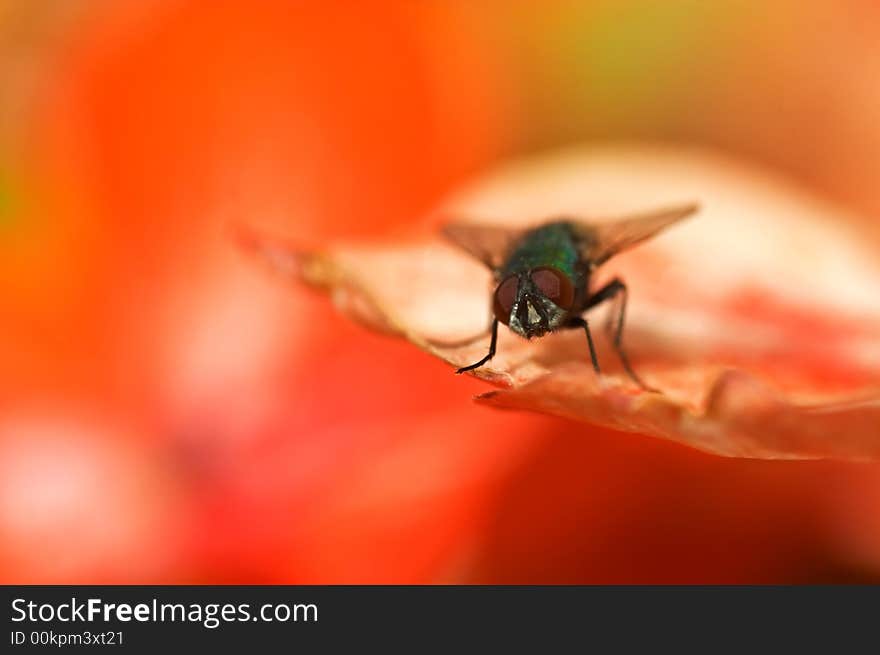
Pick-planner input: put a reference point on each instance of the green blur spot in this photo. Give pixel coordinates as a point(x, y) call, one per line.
point(627, 45)
point(629, 64)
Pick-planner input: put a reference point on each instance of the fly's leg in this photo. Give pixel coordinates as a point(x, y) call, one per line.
point(490, 354)
point(608, 327)
point(612, 290)
point(578, 322)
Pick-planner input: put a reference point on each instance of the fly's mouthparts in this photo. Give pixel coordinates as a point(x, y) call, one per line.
point(533, 318)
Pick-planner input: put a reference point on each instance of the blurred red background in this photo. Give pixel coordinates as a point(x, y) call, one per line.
point(168, 413)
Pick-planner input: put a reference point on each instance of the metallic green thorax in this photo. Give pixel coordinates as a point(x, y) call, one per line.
point(554, 244)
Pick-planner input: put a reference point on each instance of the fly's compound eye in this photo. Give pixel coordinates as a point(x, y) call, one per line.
point(505, 296)
point(554, 284)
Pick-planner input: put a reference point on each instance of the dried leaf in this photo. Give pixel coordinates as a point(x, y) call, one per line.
point(759, 318)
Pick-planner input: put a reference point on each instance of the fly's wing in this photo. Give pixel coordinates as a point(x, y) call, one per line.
point(488, 243)
point(601, 241)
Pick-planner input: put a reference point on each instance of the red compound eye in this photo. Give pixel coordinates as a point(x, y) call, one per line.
point(554, 284)
point(505, 296)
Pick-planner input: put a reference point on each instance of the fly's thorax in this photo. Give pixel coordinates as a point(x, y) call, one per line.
point(550, 245)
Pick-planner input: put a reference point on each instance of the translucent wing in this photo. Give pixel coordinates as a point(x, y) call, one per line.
point(488, 243)
point(601, 241)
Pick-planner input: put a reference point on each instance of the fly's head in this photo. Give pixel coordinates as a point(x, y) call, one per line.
point(534, 302)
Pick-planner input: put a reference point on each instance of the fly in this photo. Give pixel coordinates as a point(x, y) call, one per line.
point(542, 274)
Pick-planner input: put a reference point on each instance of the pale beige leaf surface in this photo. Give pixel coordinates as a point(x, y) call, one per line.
point(758, 318)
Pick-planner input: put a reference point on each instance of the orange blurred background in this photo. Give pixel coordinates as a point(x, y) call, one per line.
point(168, 413)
